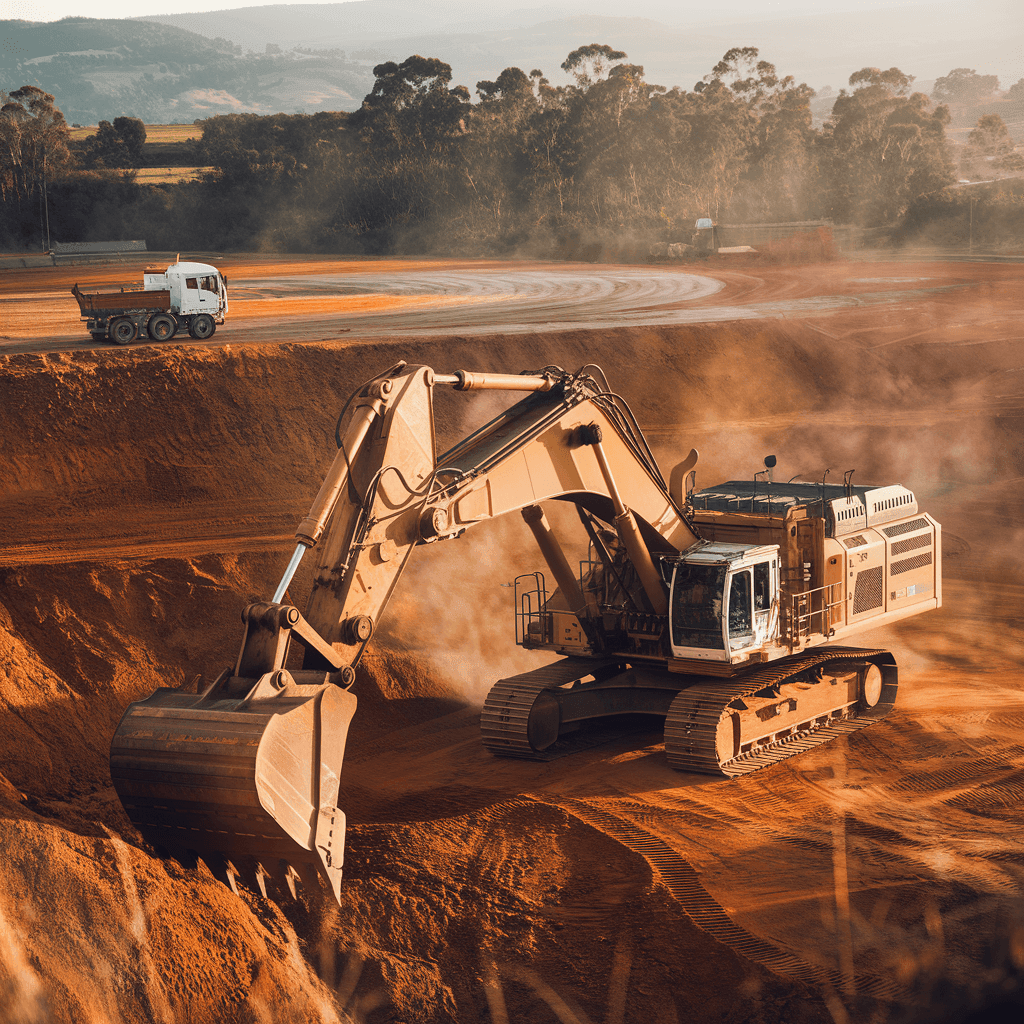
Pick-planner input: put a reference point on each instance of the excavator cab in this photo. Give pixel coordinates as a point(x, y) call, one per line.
point(724, 603)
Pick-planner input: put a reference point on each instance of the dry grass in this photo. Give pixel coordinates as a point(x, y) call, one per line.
point(154, 132)
point(172, 132)
point(169, 175)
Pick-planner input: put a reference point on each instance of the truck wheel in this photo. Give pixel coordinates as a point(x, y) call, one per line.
point(202, 327)
point(123, 331)
point(161, 327)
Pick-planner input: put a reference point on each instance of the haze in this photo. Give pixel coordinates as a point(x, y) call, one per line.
point(54, 10)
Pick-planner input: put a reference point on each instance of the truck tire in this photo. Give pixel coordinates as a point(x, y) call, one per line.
point(161, 327)
point(123, 331)
point(202, 327)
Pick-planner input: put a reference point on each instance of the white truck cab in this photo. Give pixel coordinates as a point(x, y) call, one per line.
point(194, 287)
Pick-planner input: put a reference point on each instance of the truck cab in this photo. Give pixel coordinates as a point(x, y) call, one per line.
point(194, 287)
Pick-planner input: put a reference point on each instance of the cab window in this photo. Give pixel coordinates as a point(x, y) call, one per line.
point(697, 606)
point(740, 605)
point(191, 282)
point(762, 587)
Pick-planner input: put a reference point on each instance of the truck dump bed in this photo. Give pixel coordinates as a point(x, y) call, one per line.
point(98, 303)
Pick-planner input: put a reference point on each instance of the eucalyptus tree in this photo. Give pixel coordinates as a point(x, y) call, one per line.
point(410, 130)
point(33, 141)
point(33, 152)
point(882, 147)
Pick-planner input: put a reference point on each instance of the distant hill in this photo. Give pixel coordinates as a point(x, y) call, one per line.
point(308, 57)
point(101, 69)
point(676, 42)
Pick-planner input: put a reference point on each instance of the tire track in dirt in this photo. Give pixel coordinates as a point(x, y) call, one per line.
point(1001, 794)
point(683, 883)
point(959, 776)
point(557, 299)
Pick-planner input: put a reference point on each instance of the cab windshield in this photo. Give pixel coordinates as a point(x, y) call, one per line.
point(697, 606)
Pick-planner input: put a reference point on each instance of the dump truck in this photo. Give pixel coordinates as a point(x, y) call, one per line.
point(722, 611)
point(186, 296)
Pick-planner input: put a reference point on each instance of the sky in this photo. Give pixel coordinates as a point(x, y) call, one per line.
point(54, 10)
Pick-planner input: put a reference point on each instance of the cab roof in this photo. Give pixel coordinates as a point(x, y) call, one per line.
point(191, 269)
point(719, 552)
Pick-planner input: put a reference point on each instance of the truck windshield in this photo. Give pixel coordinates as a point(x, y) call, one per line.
point(697, 606)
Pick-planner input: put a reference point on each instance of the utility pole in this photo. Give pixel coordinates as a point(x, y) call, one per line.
point(46, 203)
point(970, 233)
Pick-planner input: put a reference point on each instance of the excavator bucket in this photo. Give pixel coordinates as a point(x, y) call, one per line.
point(248, 781)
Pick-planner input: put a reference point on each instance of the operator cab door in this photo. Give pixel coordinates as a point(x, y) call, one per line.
point(752, 612)
point(725, 602)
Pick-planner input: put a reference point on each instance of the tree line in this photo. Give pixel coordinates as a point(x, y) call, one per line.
point(422, 165)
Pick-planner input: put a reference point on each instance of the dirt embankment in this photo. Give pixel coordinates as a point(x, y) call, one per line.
point(149, 494)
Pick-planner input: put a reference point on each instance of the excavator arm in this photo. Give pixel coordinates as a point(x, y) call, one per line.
point(246, 774)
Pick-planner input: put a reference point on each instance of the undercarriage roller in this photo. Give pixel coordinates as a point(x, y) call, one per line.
point(734, 728)
point(244, 776)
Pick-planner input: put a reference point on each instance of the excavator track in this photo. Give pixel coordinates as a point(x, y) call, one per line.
point(527, 716)
point(520, 720)
point(504, 723)
point(693, 728)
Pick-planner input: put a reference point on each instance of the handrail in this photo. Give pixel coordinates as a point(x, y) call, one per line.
point(530, 602)
point(804, 619)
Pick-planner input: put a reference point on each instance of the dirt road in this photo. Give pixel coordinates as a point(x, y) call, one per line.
point(150, 491)
point(313, 300)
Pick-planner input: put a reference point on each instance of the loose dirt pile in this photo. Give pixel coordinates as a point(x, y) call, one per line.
point(149, 493)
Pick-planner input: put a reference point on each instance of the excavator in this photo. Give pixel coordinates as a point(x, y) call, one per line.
point(721, 611)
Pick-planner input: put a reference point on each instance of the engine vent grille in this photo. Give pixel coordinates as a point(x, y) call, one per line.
point(867, 594)
point(925, 558)
point(923, 540)
point(895, 531)
point(856, 541)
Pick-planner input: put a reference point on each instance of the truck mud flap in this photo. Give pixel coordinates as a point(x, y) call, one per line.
point(248, 783)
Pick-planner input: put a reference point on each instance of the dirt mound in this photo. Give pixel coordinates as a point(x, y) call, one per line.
point(94, 928)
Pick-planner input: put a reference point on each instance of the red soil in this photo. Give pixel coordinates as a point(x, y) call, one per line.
point(150, 492)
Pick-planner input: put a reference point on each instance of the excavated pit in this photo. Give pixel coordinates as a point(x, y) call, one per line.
point(149, 493)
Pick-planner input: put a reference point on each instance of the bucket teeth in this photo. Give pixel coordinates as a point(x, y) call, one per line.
point(269, 878)
point(261, 879)
point(232, 874)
